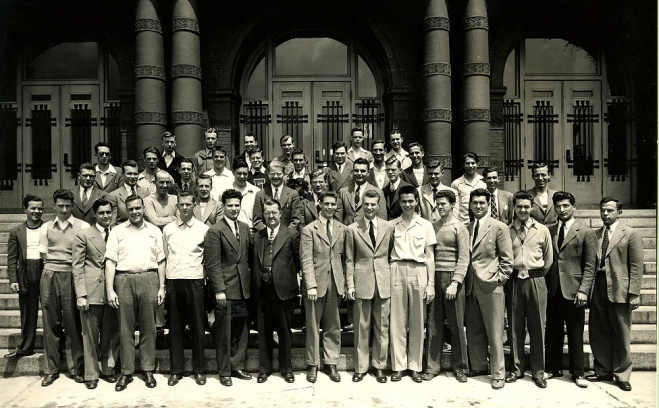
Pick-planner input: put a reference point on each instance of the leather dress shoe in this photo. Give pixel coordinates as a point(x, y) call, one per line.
point(357, 377)
point(581, 382)
point(240, 374)
point(49, 379)
point(226, 381)
point(498, 384)
point(15, 354)
point(149, 379)
point(289, 378)
point(91, 384)
point(540, 382)
point(200, 378)
point(123, 382)
point(174, 379)
point(396, 376)
point(554, 374)
point(624, 385)
point(111, 378)
point(512, 377)
point(77, 378)
point(380, 376)
point(416, 377)
point(461, 377)
point(428, 376)
point(263, 377)
point(476, 373)
point(598, 378)
point(330, 370)
point(312, 374)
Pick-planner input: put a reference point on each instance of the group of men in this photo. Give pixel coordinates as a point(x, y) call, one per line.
point(377, 230)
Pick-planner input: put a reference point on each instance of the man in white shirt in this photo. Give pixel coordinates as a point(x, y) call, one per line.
point(396, 144)
point(464, 184)
point(356, 151)
point(377, 175)
point(108, 178)
point(300, 170)
point(248, 191)
point(147, 179)
point(222, 177)
point(543, 205)
point(416, 173)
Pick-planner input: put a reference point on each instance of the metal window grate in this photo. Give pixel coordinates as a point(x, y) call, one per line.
point(8, 162)
point(81, 123)
point(582, 119)
point(257, 119)
point(332, 119)
point(112, 124)
point(41, 123)
point(543, 120)
point(512, 139)
point(369, 118)
point(292, 118)
point(619, 121)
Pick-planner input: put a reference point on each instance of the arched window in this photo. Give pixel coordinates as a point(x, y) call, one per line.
point(72, 60)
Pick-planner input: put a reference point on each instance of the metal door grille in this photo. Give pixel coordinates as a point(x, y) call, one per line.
point(332, 119)
point(369, 118)
point(257, 119)
point(543, 120)
point(112, 124)
point(81, 123)
point(41, 122)
point(582, 119)
point(8, 151)
point(292, 119)
point(512, 142)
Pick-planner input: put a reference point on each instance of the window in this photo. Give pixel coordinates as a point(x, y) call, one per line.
point(256, 86)
point(113, 80)
point(77, 60)
point(557, 56)
point(311, 56)
point(366, 86)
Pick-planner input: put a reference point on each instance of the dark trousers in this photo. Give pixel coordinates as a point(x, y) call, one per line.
point(526, 303)
point(58, 305)
point(100, 339)
point(559, 311)
point(29, 307)
point(610, 327)
point(274, 314)
point(138, 297)
point(231, 336)
point(186, 305)
point(454, 311)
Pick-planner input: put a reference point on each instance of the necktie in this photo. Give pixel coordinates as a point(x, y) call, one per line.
point(185, 186)
point(237, 231)
point(493, 209)
point(605, 246)
point(107, 232)
point(329, 231)
point(473, 241)
point(561, 236)
point(272, 235)
point(434, 194)
point(276, 195)
point(132, 191)
point(521, 233)
point(371, 233)
point(85, 198)
point(357, 195)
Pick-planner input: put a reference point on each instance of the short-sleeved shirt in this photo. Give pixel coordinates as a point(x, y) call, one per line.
point(135, 249)
point(410, 242)
point(221, 182)
point(184, 246)
point(464, 188)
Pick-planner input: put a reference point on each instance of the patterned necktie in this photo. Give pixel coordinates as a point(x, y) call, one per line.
point(185, 186)
point(493, 209)
point(561, 236)
point(434, 194)
point(328, 230)
point(85, 197)
point(132, 191)
point(276, 194)
point(237, 230)
point(272, 235)
point(357, 195)
point(371, 232)
point(605, 246)
point(473, 241)
point(521, 233)
point(107, 233)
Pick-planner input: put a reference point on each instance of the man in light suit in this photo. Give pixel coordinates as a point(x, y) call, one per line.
point(615, 295)
point(350, 202)
point(323, 264)
point(85, 196)
point(392, 189)
point(369, 242)
point(311, 203)
point(543, 204)
point(340, 171)
point(206, 209)
point(501, 202)
point(377, 175)
point(288, 199)
point(99, 321)
point(108, 178)
point(489, 268)
point(356, 150)
point(428, 192)
point(569, 282)
point(118, 197)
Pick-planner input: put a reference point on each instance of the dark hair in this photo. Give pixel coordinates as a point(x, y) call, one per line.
point(415, 144)
point(100, 144)
point(283, 139)
point(231, 193)
point(538, 165)
point(480, 192)
point(337, 145)
point(378, 141)
point(210, 130)
point(491, 169)
point(100, 203)
point(256, 150)
point(563, 195)
point(249, 134)
point(469, 155)
point(448, 194)
point(151, 149)
point(393, 159)
point(361, 161)
point(371, 194)
point(319, 172)
point(395, 132)
point(221, 149)
point(129, 163)
point(356, 129)
point(272, 201)
point(167, 134)
point(239, 162)
point(434, 163)
point(86, 166)
point(522, 195)
point(133, 197)
point(186, 160)
point(184, 194)
point(297, 152)
point(62, 194)
point(204, 176)
point(609, 199)
point(30, 197)
point(409, 190)
point(328, 193)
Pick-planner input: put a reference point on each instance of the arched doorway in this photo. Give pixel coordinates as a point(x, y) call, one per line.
point(314, 88)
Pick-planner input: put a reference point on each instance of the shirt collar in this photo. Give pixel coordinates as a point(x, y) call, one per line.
point(180, 222)
point(110, 170)
point(164, 153)
point(130, 224)
point(101, 229)
point(324, 220)
point(81, 189)
point(528, 224)
point(477, 178)
point(568, 224)
point(229, 221)
point(275, 231)
point(375, 221)
point(128, 188)
point(396, 184)
point(65, 223)
point(613, 226)
point(144, 175)
point(480, 222)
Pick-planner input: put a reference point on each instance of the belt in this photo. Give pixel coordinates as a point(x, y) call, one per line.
point(135, 272)
point(410, 261)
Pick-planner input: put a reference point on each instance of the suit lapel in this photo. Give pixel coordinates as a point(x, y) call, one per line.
point(77, 201)
point(244, 238)
point(571, 234)
point(278, 243)
point(428, 195)
point(482, 231)
point(363, 232)
point(312, 207)
point(335, 232)
point(381, 232)
point(22, 237)
point(228, 233)
point(99, 181)
point(320, 230)
point(96, 239)
point(210, 207)
point(617, 235)
point(96, 192)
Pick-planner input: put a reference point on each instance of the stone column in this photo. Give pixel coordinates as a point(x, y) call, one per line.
point(436, 78)
point(475, 74)
point(187, 117)
point(150, 107)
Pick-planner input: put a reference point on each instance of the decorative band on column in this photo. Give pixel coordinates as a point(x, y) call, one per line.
point(222, 125)
point(476, 115)
point(436, 115)
point(150, 118)
point(436, 68)
point(484, 161)
point(187, 117)
point(146, 24)
point(475, 68)
point(446, 160)
point(437, 23)
point(185, 70)
point(185, 24)
point(476, 22)
point(149, 71)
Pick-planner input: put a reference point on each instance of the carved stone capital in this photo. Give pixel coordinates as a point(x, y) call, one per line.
point(475, 68)
point(185, 70)
point(436, 115)
point(150, 118)
point(436, 23)
point(445, 159)
point(222, 125)
point(149, 71)
point(187, 117)
point(436, 68)
point(484, 161)
point(476, 115)
point(185, 24)
point(476, 22)
point(146, 24)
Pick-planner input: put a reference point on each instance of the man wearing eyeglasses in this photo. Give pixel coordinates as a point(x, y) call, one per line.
point(543, 207)
point(86, 195)
point(108, 178)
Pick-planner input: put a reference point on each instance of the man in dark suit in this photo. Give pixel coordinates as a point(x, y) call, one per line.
point(118, 197)
point(275, 261)
point(108, 178)
point(206, 209)
point(351, 196)
point(568, 284)
point(392, 189)
point(311, 203)
point(340, 172)
point(615, 295)
point(489, 268)
point(86, 195)
point(99, 321)
point(377, 175)
point(24, 267)
point(416, 174)
point(501, 202)
point(187, 182)
point(543, 204)
point(288, 199)
point(170, 161)
point(227, 266)
point(428, 192)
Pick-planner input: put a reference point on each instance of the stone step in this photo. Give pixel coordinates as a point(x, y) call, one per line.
point(650, 255)
point(650, 243)
point(625, 214)
point(12, 319)
point(647, 232)
point(641, 316)
point(632, 222)
point(648, 297)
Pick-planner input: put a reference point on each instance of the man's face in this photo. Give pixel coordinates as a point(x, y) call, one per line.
point(162, 183)
point(378, 152)
point(276, 176)
point(135, 212)
point(103, 155)
point(186, 171)
point(357, 139)
point(218, 161)
point(130, 175)
point(287, 146)
point(250, 143)
point(359, 173)
point(211, 139)
point(470, 166)
point(256, 159)
point(272, 215)
point(371, 206)
point(408, 203)
point(435, 176)
point(86, 178)
point(479, 205)
point(169, 143)
point(240, 175)
point(185, 207)
point(491, 179)
point(416, 155)
point(63, 208)
point(444, 207)
point(298, 162)
point(340, 155)
point(103, 215)
point(565, 210)
point(523, 210)
point(151, 160)
point(395, 141)
point(393, 172)
point(318, 184)
point(328, 207)
point(34, 210)
point(541, 177)
point(232, 208)
point(204, 188)
point(609, 213)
